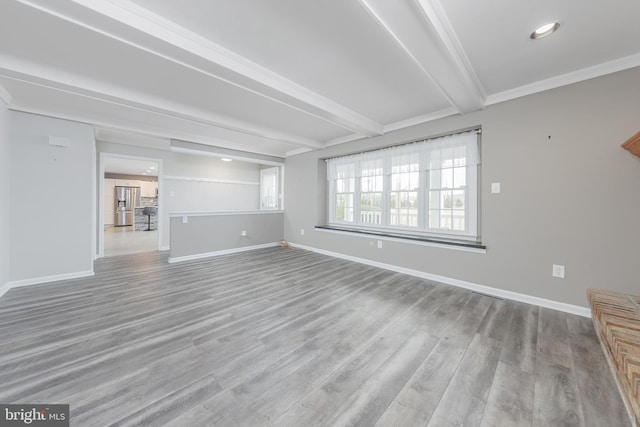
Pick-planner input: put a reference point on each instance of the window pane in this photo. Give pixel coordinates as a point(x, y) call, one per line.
point(458, 217)
point(371, 208)
point(447, 178)
point(269, 188)
point(434, 178)
point(345, 185)
point(395, 182)
point(404, 208)
point(460, 177)
point(434, 199)
point(434, 219)
point(458, 199)
point(414, 182)
point(344, 207)
point(446, 200)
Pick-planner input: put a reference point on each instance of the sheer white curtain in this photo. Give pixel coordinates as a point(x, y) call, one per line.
point(463, 147)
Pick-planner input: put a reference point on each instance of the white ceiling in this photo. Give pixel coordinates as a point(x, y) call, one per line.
point(281, 77)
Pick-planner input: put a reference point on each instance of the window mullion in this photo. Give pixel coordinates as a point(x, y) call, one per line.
point(332, 200)
point(423, 193)
point(386, 185)
point(357, 194)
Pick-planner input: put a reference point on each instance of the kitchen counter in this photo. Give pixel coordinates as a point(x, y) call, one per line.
point(140, 220)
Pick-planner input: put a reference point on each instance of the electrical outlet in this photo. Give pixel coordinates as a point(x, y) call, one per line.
point(495, 187)
point(244, 233)
point(185, 219)
point(302, 231)
point(379, 244)
point(558, 271)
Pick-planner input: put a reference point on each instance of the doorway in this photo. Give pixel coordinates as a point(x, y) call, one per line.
point(129, 211)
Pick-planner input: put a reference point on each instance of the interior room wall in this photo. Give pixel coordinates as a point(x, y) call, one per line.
point(224, 233)
point(570, 194)
point(51, 198)
point(197, 183)
point(4, 194)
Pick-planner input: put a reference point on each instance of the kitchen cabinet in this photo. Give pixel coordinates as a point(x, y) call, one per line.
point(148, 188)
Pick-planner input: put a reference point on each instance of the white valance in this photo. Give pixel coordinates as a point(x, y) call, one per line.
point(435, 153)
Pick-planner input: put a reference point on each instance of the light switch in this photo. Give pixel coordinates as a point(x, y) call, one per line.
point(495, 187)
point(185, 219)
point(558, 271)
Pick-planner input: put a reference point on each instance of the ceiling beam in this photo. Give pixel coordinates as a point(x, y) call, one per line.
point(86, 87)
point(423, 31)
point(239, 71)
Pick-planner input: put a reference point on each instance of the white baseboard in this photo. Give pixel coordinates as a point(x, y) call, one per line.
point(501, 293)
point(4, 288)
point(44, 279)
point(222, 252)
point(164, 248)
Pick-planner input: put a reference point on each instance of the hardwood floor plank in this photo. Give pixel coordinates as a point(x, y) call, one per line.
point(497, 322)
point(600, 405)
point(510, 402)
point(556, 400)
point(520, 345)
point(464, 400)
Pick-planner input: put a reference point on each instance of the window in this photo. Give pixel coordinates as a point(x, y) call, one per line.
point(423, 188)
point(269, 189)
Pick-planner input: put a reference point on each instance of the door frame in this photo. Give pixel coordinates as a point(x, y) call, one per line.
point(100, 230)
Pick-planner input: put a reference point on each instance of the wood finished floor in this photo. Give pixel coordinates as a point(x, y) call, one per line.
point(286, 337)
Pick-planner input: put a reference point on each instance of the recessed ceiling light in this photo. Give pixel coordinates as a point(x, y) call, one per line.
point(544, 30)
point(224, 159)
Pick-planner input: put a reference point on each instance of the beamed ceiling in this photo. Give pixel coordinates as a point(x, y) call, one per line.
point(280, 77)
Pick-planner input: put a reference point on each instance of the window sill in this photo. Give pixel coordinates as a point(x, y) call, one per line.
point(460, 245)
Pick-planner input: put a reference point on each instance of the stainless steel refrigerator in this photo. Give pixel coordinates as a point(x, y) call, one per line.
point(126, 201)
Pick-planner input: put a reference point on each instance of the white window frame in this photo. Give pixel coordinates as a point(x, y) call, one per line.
point(422, 229)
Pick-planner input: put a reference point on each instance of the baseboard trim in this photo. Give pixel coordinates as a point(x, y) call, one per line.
point(501, 293)
point(222, 252)
point(45, 279)
point(3, 289)
point(164, 248)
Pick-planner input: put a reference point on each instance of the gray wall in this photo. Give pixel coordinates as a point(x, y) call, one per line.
point(220, 232)
point(193, 195)
point(570, 194)
point(51, 198)
point(4, 194)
